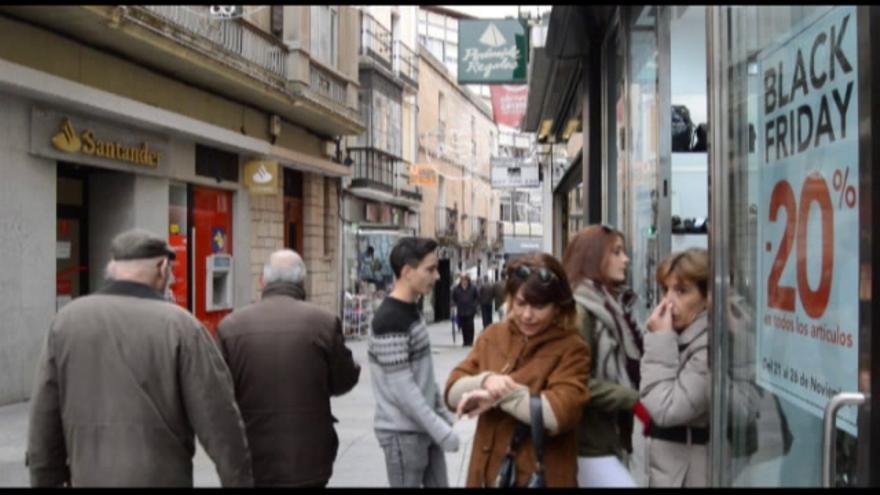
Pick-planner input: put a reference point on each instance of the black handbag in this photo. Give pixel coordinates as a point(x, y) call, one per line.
point(507, 472)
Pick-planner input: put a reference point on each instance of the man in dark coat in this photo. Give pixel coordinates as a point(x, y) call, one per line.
point(125, 380)
point(499, 296)
point(487, 295)
point(465, 300)
point(288, 357)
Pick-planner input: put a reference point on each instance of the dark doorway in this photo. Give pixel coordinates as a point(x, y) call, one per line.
point(72, 233)
point(293, 210)
point(442, 291)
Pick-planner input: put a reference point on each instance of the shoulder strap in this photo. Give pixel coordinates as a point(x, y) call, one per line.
point(537, 420)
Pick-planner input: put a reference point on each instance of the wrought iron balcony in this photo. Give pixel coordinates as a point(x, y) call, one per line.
point(406, 63)
point(327, 84)
point(375, 40)
point(404, 188)
point(498, 243)
point(373, 168)
point(446, 225)
point(478, 235)
point(235, 36)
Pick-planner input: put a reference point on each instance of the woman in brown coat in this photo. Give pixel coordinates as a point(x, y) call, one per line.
point(536, 350)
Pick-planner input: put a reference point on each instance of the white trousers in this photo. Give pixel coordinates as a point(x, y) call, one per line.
point(603, 472)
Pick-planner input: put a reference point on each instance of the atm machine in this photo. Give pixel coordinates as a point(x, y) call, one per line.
point(218, 282)
point(213, 290)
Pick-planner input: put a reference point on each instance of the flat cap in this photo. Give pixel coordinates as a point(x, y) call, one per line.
point(139, 244)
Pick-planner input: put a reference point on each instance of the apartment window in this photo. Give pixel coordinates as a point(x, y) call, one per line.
point(324, 33)
point(435, 47)
point(441, 117)
point(474, 141)
point(436, 19)
point(386, 116)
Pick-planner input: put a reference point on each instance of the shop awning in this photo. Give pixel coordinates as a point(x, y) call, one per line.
point(574, 35)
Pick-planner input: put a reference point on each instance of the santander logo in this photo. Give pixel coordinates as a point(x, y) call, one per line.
point(262, 176)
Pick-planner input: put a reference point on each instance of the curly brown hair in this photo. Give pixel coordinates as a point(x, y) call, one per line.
point(541, 287)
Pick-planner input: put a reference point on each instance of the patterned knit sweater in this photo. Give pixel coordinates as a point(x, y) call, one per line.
point(402, 373)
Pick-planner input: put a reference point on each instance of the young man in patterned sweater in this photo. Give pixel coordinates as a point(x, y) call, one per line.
point(411, 422)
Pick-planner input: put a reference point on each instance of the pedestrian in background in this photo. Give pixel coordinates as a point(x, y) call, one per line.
point(465, 299)
point(676, 378)
point(287, 358)
point(595, 261)
point(487, 295)
point(124, 381)
point(412, 424)
point(535, 351)
point(500, 295)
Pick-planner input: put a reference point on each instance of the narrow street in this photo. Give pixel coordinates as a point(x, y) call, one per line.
point(359, 463)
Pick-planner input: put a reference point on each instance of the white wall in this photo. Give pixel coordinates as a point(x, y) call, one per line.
point(27, 244)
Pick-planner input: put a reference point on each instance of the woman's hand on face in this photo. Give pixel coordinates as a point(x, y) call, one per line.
point(661, 317)
point(474, 403)
point(499, 385)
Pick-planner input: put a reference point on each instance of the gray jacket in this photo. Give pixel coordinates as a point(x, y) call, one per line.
point(675, 389)
point(124, 382)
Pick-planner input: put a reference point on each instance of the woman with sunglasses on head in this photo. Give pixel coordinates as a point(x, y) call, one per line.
point(675, 373)
point(595, 262)
point(534, 351)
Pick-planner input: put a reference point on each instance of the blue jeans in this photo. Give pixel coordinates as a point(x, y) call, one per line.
point(413, 460)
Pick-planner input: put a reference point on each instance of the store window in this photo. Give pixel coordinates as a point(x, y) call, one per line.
point(614, 129)
point(689, 178)
point(642, 149)
point(789, 161)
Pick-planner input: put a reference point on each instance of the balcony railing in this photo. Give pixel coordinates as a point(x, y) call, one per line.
point(235, 36)
point(327, 84)
point(406, 63)
point(373, 168)
point(477, 230)
point(375, 40)
point(446, 223)
point(404, 189)
point(499, 235)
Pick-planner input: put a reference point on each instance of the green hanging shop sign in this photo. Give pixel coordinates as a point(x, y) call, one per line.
point(492, 51)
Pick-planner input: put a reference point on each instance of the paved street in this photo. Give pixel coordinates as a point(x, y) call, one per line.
point(360, 462)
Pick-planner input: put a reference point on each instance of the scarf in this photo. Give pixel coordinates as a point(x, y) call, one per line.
point(622, 329)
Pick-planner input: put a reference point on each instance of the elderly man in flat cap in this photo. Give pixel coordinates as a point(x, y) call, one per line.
point(126, 380)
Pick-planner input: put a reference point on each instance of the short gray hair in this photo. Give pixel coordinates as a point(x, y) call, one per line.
point(284, 265)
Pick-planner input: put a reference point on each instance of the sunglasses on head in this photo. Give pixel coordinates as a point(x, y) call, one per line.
point(545, 276)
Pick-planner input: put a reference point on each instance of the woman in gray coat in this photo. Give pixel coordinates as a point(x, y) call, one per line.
point(675, 374)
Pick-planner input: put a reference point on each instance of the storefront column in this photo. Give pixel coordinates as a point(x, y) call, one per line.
point(27, 244)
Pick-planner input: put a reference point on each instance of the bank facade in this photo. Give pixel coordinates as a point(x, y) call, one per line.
point(121, 117)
